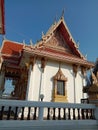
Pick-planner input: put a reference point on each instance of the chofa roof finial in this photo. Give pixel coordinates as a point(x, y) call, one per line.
point(3, 37)
point(43, 34)
point(31, 43)
point(24, 42)
point(55, 19)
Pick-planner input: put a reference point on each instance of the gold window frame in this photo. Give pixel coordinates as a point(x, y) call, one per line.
point(56, 97)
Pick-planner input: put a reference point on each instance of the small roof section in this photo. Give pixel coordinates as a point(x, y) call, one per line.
point(11, 51)
point(11, 48)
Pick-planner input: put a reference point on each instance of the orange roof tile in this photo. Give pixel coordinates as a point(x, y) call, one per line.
point(11, 48)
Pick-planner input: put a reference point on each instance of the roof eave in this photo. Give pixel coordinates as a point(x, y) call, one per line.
point(69, 60)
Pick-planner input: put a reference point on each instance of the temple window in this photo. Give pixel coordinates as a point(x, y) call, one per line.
point(59, 87)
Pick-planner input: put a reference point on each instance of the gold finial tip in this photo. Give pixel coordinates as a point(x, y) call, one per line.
point(62, 16)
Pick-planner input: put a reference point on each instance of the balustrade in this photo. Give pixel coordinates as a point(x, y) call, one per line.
point(29, 110)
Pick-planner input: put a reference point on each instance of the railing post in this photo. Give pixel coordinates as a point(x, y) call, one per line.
point(96, 113)
point(41, 110)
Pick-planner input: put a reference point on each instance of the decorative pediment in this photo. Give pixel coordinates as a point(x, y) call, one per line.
point(59, 37)
point(60, 76)
point(57, 41)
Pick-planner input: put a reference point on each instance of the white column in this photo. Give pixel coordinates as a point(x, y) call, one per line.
point(82, 86)
point(29, 94)
point(74, 78)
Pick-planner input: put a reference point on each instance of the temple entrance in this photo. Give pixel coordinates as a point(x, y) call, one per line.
point(14, 84)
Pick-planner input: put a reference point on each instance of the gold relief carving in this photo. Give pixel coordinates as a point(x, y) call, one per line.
point(95, 78)
point(92, 90)
point(60, 76)
point(32, 61)
point(75, 69)
point(24, 74)
point(27, 65)
point(21, 84)
point(57, 41)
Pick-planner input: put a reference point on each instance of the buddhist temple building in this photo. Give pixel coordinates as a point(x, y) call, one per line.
point(52, 70)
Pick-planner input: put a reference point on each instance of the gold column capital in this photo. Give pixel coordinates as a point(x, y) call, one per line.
point(75, 69)
point(83, 70)
point(43, 63)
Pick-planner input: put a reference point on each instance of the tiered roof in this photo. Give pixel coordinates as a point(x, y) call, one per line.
point(57, 44)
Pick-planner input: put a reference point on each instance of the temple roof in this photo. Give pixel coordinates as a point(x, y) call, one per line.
point(62, 28)
point(57, 44)
point(11, 51)
point(11, 48)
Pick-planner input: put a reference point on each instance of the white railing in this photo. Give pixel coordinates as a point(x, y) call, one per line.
point(30, 110)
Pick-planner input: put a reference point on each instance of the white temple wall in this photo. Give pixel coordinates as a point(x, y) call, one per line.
point(50, 70)
point(42, 82)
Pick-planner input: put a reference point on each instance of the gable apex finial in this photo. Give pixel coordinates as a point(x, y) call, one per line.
point(62, 16)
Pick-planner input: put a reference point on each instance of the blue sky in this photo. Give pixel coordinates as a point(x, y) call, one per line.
point(27, 19)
